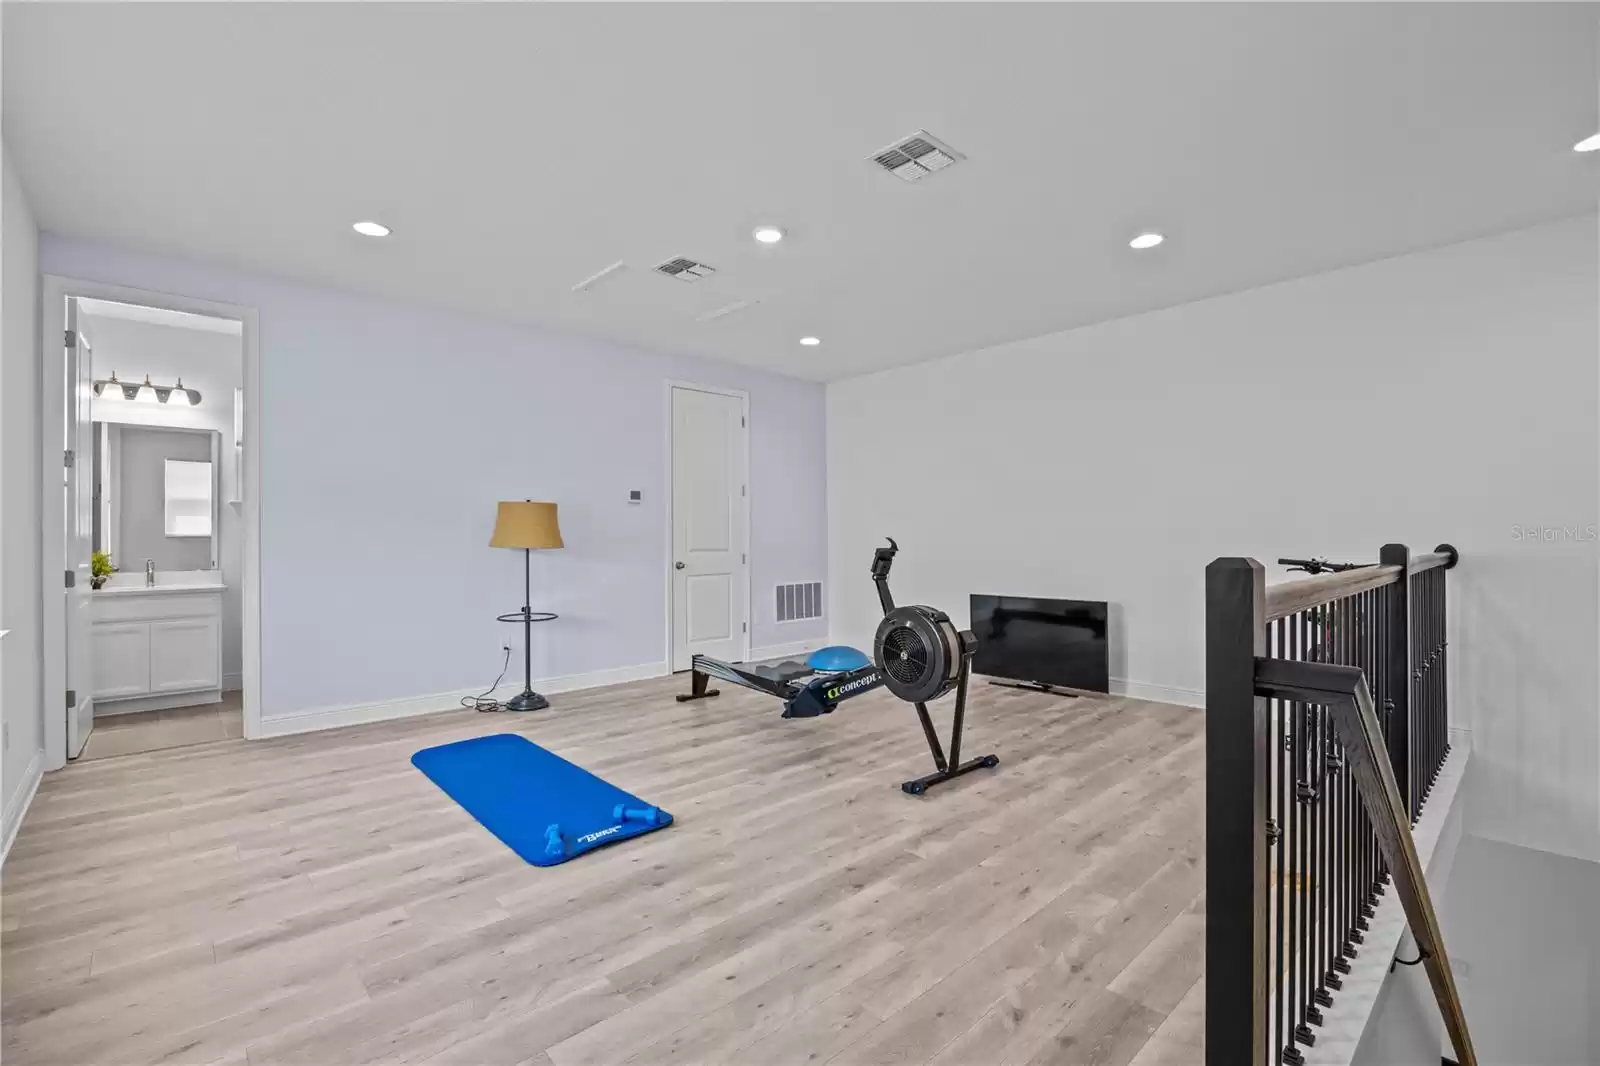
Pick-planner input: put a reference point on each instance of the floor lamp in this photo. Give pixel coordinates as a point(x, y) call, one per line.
point(526, 524)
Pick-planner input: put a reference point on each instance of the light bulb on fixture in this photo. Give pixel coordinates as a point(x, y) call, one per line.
point(1146, 240)
point(768, 234)
point(1590, 143)
point(147, 392)
point(192, 395)
point(371, 229)
point(810, 342)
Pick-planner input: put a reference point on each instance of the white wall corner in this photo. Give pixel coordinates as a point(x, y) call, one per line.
point(1146, 690)
point(320, 718)
point(17, 809)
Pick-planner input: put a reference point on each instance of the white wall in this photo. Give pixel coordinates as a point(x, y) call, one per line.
point(389, 432)
point(213, 363)
point(21, 708)
point(1447, 395)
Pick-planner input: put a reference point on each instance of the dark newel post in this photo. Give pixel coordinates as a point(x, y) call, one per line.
point(1395, 703)
point(1237, 754)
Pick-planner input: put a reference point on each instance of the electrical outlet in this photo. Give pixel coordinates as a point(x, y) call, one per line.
point(505, 647)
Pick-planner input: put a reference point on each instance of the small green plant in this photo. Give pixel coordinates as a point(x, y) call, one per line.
point(100, 569)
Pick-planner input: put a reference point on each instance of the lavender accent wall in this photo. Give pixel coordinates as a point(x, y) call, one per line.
point(390, 430)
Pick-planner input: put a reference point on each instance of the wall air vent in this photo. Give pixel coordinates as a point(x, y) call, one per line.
point(795, 602)
point(915, 157)
point(685, 269)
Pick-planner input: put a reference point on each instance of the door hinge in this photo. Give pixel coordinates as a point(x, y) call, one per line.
point(72, 579)
point(743, 558)
point(741, 490)
point(72, 699)
point(68, 459)
point(71, 339)
point(744, 627)
point(741, 421)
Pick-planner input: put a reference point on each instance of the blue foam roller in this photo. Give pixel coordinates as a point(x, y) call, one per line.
point(837, 658)
point(647, 815)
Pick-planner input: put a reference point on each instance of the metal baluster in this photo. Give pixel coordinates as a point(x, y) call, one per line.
point(1306, 622)
point(1281, 736)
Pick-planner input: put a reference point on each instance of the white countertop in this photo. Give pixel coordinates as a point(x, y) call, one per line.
point(155, 590)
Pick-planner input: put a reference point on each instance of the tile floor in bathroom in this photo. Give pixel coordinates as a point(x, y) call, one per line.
point(127, 734)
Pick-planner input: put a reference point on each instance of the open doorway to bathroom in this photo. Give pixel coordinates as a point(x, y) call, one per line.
point(151, 632)
point(165, 630)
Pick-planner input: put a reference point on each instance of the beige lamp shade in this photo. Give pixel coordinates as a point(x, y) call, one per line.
point(526, 524)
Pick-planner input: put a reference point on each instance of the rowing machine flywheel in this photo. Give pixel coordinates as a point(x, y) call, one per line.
point(918, 649)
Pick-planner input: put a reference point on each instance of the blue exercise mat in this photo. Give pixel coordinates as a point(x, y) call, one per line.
point(540, 806)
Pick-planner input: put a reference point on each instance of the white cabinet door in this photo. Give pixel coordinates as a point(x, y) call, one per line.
point(121, 659)
point(185, 653)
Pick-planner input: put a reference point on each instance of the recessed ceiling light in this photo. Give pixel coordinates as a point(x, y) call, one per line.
point(371, 229)
point(1146, 240)
point(1590, 143)
point(768, 234)
point(810, 342)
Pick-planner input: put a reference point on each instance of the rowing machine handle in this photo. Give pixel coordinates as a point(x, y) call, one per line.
point(882, 559)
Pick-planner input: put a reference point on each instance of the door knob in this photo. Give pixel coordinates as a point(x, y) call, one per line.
point(677, 566)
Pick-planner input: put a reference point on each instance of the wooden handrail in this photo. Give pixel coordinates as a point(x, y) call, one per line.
point(1343, 690)
point(1431, 560)
point(1291, 597)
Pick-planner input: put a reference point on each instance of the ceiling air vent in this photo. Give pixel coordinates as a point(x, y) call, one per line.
point(685, 269)
point(917, 156)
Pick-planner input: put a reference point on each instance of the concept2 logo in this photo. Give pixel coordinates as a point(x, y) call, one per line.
point(590, 838)
point(854, 686)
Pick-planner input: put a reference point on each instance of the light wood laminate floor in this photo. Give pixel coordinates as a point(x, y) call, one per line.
point(316, 900)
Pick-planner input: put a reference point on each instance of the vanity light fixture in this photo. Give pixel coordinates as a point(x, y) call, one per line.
point(149, 392)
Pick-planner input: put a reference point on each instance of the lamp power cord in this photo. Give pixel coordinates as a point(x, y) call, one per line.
point(485, 700)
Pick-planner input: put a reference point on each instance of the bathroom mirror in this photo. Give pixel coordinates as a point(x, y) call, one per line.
point(156, 491)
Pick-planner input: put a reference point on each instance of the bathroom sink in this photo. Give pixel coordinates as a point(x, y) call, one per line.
point(166, 581)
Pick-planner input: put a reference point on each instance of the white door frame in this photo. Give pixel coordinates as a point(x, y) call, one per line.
point(55, 292)
point(744, 478)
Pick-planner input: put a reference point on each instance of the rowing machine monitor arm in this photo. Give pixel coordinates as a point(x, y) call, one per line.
point(882, 559)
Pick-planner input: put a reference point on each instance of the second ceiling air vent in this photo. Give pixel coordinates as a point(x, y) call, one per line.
point(915, 157)
point(685, 269)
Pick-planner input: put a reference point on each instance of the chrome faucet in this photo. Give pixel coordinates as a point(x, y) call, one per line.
point(149, 573)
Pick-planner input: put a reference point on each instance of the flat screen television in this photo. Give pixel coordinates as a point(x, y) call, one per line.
point(1039, 641)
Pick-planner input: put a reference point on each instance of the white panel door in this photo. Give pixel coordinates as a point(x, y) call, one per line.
point(121, 659)
point(78, 501)
point(185, 654)
point(709, 535)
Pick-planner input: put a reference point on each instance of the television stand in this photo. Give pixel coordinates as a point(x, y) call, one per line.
point(1037, 686)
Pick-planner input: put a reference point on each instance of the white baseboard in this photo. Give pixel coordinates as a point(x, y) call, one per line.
point(1144, 690)
point(310, 721)
point(232, 682)
point(18, 808)
point(141, 704)
point(790, 650)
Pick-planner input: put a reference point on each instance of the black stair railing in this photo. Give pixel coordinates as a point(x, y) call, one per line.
point(1311, 795)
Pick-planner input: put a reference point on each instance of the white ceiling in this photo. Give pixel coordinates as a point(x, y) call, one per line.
point(518, 149)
